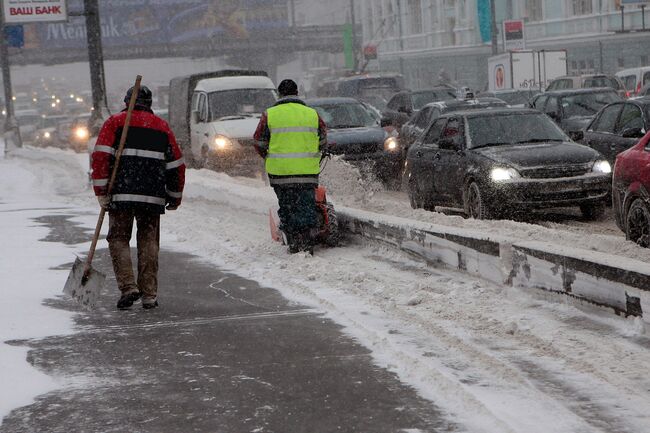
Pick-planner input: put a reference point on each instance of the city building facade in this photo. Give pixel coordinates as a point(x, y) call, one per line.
point(422, 37)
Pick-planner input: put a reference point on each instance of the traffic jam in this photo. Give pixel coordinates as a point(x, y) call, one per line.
point(490, 155)
point(496, 154)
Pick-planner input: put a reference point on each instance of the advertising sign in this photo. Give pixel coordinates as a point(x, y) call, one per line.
point(513, 35)
point(138, 24)
point(34, 11)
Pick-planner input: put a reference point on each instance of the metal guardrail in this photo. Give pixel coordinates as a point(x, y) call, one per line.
point(585, 277)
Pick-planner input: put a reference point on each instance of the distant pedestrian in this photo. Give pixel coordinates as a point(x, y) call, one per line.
point(291, 136)
point(150, 178)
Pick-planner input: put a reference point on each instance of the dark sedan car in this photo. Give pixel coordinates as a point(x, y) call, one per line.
point(493, 162)
point(418, 122)
point(354, 132)
point(405, 104)
point(618, 126)
point(573, 110)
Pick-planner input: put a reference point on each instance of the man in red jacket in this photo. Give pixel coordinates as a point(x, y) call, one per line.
point(150, 178)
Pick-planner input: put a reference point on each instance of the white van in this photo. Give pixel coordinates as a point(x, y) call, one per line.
point(214, 116)
point(634, 79)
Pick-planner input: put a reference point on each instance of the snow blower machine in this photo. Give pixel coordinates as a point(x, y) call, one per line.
point(328, 227)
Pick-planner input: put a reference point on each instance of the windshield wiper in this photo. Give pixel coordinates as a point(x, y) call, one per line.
point(231, 117)
point(540, 140)
point(346, 126)
point(490, 144)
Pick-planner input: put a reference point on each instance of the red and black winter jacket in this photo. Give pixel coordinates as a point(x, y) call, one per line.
point(151, 172)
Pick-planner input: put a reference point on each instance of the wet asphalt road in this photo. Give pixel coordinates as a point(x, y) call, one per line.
point(221, 354)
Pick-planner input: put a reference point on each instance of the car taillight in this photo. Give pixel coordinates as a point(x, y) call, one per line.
point(627, 94)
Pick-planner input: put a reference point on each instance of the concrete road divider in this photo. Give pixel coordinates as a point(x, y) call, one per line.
point(605, 280)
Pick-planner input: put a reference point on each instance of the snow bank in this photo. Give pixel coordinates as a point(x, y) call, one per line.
point(595, 277)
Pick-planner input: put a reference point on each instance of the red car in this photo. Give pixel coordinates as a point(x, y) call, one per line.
point(631, 192)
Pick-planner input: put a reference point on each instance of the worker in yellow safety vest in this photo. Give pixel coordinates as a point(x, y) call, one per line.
point(291, 137)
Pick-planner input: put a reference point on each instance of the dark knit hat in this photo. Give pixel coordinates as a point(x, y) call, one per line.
point(288, 88)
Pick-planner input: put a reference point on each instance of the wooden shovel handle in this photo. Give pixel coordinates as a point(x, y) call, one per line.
point(118, 155)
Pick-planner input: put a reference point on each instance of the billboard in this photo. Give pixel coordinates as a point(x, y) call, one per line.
point(27, 11)
point(513, 35)
point(142, 23)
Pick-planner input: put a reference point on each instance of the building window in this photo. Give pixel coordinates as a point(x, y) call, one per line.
point(581, 7)
point(415, 16)
point(534, 10)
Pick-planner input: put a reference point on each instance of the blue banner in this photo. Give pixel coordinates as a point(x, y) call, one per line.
point(138, 23)
point(484, 20)
point(14, 36)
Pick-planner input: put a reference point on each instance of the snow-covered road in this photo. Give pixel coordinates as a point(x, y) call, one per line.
point(495, 359)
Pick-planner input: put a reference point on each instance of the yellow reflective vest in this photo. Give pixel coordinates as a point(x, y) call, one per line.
point(294, 145)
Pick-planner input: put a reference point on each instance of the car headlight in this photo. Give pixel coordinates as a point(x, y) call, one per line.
point(500, 174)
point(391, 144)
point(47, 135)
point(222, 142)
point(602, 166)
point(81, 132)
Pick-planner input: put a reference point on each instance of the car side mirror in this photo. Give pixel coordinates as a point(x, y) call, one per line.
point(384, 122)
point(577, 135)
point(554, 115)
point(404, 109)
point(632, 133)
point(447, 144)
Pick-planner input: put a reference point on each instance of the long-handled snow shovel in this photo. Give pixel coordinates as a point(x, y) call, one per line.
point(84, 283)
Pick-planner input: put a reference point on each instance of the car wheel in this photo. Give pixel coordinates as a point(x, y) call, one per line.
point(333, 232)
point(474, 203)
point(592, 212)
point(637, 227)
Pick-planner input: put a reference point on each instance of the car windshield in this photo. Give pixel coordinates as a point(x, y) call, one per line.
point(50, 122)
point(345, 116)
point(515, 98)
point(515, 128)
point(586, 104)
point(600, 82)
point(420, 99)
point(376, 101)
point(28, 119)
point(240, 102)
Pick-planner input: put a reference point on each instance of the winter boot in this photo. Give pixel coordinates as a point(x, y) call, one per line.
point(294, 242)
point(308, 242)
point(127, 299)
point(149, 303)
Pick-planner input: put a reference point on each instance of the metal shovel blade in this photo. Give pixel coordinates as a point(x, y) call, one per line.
point(86, 292)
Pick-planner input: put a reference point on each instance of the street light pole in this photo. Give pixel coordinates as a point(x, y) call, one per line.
point(401, 37)
point(12, 132)
point(96, 62)
point(354, 36)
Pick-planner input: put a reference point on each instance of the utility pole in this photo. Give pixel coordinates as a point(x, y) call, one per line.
point(12, 132)
point(493, 18)
point(354, 36)
point(96, 62)
point(293, 15)
point(401, 37)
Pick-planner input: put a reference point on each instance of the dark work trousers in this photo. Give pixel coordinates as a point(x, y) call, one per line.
point(120, 226)
point(297, 207)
